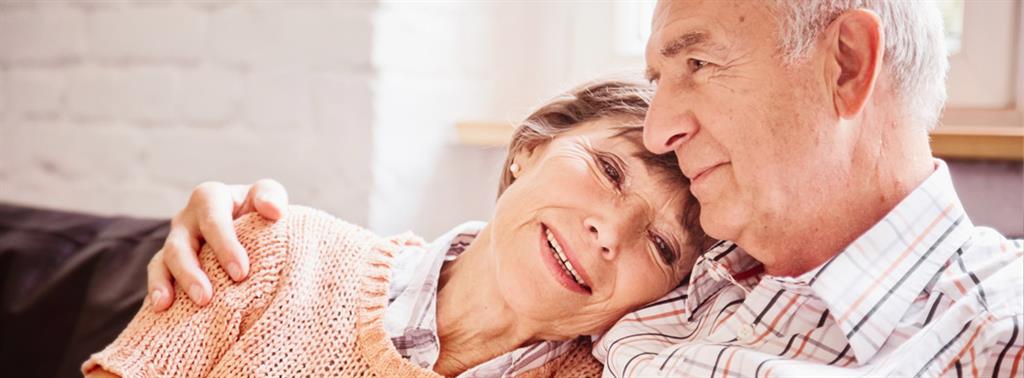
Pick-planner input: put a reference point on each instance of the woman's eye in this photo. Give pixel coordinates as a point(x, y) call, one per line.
point(696, 64)
point(610, 171)
point(668, 255)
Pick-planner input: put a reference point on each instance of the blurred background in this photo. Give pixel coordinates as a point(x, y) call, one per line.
point(387, 114)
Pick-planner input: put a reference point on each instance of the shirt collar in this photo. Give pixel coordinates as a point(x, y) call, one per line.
point(870, 285)
point(410, 318)
point(722, 265)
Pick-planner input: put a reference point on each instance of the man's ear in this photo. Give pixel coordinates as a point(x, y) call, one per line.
point(857, 48)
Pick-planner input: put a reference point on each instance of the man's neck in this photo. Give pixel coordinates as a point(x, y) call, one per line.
point(473, 323)
point(880, 176)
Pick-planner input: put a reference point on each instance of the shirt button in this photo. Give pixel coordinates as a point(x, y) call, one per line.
point(745, 332)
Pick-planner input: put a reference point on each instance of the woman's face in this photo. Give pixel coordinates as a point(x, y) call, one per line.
point(588, 232)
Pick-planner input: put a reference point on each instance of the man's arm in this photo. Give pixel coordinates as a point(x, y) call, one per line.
point(188, 340)
point(208, 218)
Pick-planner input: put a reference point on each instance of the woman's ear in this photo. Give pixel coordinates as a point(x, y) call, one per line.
point(525, 158)
point(514, 169)
point(856, 47)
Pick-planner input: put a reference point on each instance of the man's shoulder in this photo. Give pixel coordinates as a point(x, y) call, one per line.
point(995, 264)
point(305, 232)
point(986, 238)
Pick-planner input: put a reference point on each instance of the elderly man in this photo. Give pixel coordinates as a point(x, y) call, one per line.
point(803, 126)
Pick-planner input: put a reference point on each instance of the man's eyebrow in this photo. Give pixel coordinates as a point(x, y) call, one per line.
point(684, 42)
point(651, 75)
point(677, 45)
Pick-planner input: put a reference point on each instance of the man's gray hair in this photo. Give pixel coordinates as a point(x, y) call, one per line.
point(915, 48)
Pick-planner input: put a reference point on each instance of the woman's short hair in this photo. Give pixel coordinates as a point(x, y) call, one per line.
point(624, 101)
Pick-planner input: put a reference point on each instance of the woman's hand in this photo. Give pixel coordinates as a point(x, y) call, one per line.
point(209, 217)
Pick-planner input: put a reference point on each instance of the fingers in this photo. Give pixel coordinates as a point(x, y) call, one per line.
point(181, 260)
point(239, 195)
point(269, 198)
point(209, 217)
point(215, 224)
point(158, 283)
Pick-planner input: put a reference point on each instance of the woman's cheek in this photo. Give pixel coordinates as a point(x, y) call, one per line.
point(645, 278)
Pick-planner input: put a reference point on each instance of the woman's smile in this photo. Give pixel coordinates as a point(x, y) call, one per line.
point(561, 262)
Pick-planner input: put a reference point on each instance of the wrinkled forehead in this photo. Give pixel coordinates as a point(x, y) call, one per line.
point(719, 20)
point(669, 11)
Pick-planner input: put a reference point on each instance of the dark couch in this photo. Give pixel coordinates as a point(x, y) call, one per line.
point(70, 283)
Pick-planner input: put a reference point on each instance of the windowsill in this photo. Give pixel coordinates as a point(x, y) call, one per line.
point(980, 135)
point(484, 133)
point(979, 142)
point(995, 135)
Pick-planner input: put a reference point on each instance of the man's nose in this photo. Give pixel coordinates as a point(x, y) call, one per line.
point(670, 122)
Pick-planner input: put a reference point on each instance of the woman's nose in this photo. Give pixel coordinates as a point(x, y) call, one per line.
point(606, 233)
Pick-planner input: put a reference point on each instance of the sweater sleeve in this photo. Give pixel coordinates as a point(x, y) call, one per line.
point(187, 340)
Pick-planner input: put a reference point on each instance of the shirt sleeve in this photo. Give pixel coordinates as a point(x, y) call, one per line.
point(187, 340)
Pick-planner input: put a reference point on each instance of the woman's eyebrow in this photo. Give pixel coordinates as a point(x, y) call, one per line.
point(633, 134)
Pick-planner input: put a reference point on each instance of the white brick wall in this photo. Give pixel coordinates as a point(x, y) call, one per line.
point(41, 32)
point(159, 32)
point(211, 95)
point(3, 93)
point(124, 106)
point(36, 92)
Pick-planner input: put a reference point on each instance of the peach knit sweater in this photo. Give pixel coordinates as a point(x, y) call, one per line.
point(312, 306)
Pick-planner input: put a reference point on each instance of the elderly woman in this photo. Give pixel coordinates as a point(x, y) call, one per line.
point(588, 226)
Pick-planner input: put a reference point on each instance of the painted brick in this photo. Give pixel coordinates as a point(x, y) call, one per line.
point(150, 94)
point(35, 92)
point(141, 94)
point(73, 154)
point(152, 32)
point(275, 100)
point(133, 199)
point(144, 199)
point(3, 93)
point(314, 35)
point(211, 95)
point(186, 157)
point(44, 33)
point(92, 93)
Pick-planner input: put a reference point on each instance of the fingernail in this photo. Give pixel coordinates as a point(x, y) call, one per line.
point(235, 271)
point(157, 296)
point(197, 293)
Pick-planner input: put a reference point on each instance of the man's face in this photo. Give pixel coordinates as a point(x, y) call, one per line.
point(754, 134)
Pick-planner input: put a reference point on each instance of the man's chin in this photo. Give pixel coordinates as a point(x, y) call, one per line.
point(720, 222)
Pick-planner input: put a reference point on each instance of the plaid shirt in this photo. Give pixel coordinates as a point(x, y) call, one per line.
point(922, 293)
point(411, 316)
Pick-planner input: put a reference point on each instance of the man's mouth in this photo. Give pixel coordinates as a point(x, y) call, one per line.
point(561, 259)
point(705, 171)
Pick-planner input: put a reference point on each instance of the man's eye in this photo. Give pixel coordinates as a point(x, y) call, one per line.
point(696, 64)
point(613, 173)
point(668, 255)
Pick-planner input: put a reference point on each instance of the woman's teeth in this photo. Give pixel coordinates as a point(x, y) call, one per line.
point(560, 256)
